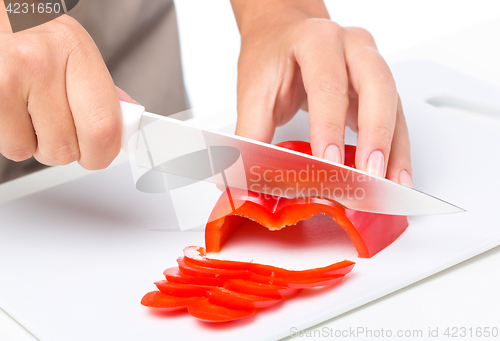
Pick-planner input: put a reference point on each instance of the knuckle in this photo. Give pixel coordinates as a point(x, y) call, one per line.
point(19, 154)
point(333, 85)
point(361, 34)
point(71, 34)
point(313, 32)
point(32, 56)
point(323, 26)
point(65, 154)
point(383, 133)
point(333, 128)
point(104, 126)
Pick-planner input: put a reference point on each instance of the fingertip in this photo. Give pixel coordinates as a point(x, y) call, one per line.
point(124, 97)
point(376, 163)
point(332, 153)
point(405, 178)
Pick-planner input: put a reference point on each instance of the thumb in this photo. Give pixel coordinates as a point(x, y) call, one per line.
point(123, 96)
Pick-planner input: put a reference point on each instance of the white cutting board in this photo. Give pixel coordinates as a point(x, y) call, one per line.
point(76, 259)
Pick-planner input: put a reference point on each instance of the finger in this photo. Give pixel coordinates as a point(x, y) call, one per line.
point(352, 111)
point(256, 98)
point(17, 137)
point(94, 104)
point(325, 81)
point(399, 168)
point(51, 115)
point(123, 96)
point(372, 79)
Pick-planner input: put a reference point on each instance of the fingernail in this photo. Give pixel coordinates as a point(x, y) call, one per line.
point(405, 179)
point(332, 153)
point(376, 163)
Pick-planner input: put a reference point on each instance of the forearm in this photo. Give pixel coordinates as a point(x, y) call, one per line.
point(248, 13)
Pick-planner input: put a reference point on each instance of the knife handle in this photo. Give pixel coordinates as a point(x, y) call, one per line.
point(132, 114)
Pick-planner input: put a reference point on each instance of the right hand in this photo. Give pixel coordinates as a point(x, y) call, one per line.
point(58, 102)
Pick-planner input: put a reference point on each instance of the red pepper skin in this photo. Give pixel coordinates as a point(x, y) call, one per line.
point(236, 300)
point(182, 290)
point(205, 311)
point(297, 283)
point(195, 255)
point(224, 274)
point(202, 271)
point(369, 232)
point(162, 302)
point(259, 289)
point(176, 276)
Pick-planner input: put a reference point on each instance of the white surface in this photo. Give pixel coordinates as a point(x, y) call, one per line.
point(89, 254)
point(465, 295)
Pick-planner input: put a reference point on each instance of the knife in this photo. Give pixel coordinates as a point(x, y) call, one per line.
point(189, 154)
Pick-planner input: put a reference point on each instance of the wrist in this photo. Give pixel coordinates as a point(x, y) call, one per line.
point(251, 15)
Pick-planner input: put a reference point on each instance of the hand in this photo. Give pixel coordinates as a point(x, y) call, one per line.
point(58, 102)
point(293, 56)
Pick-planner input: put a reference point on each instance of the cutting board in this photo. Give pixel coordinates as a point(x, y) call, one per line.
point(76, 259)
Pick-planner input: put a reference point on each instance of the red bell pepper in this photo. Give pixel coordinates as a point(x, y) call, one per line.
point(369, 232)
point(205, 311)
point(224, 274)
point(182, 290)
point(195, 255)
point(163, 302)
point(176, 276)
point(223, 290)
point(255, 288)
point(236, 300)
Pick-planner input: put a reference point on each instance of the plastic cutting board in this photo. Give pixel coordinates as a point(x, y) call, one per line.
point(76, 259)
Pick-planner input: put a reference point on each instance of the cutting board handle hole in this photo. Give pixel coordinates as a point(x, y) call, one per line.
point(448, 102)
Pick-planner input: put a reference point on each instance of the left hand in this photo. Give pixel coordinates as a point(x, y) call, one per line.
point(294, 57)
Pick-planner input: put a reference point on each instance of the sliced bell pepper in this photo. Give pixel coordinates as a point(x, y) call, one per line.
point(163, 302)
point(259, 289)
point(202, 271)
point(195, 255)
point(182, 290)
point(236, 300)
point(208, 312)
point(224, 274)
point(176, 276)
point(369, 232)
point(298, 283)
point(233, 290)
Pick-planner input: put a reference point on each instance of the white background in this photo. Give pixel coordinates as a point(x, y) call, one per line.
point(210, 40)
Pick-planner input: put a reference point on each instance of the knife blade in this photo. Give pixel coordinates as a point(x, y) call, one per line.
point(193, 154)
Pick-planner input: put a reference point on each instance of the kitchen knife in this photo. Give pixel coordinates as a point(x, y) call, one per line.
point(194, 154)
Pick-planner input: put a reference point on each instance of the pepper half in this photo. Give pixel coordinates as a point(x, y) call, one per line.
point(369, 232)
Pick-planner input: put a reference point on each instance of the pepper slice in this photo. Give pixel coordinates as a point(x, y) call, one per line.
point(259, 289)
point(176, 276)
point(195, 255)
point(224, 274)
point(369, 232)
point(182, 290)
point(297, 283)
point(205, 311)
point(202, 271)
point(236, 300)
point(162, 302)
